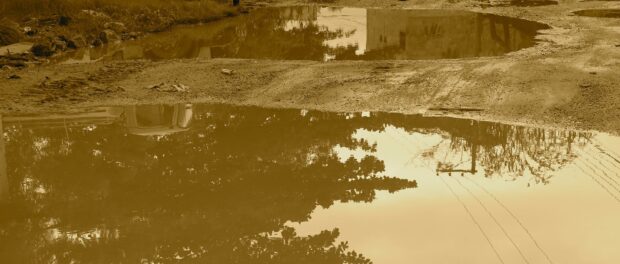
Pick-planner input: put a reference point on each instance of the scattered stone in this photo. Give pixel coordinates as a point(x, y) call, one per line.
point(115, 26)
point(60, 44)
point(585, 85)
point(162, 87)
point(227, 71)
point(48, 21)
point(17, 48)
point(180, 88)
point(95, 13)
point(30, 31)
point(64, 20)
point(9, 34)
point(15, 60)
point(96, 42)
point(77, 42)
point(155, 86)
point(42, 50)
point(108, 36)
point(14, 77)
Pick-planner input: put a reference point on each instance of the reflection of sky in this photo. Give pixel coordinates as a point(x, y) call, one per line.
point(350, 21)
point(572, 219)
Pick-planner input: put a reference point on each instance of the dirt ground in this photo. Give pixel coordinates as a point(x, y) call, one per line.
point(571, 79)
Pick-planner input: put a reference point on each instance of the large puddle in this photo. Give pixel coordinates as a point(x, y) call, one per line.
point(327, 33)
point(222, 184)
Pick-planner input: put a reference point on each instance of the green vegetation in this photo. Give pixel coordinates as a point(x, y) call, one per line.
point(191, 8)
point(59, 25)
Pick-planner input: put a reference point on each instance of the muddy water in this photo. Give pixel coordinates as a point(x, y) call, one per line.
point(221, 184)
point(610, 13)
point(322, 33)
point(518, 2)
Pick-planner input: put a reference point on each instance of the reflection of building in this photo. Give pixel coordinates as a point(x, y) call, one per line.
point(158, 120)
point(408, 34)
point(4, 180)
point(139, 120)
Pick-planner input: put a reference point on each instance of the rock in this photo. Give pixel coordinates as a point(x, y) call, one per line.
point(108, 36)
point(96, 42)
point(14, 77)
point(95, 14)
point(162, 87)
point(17, 48)
point(9, 32)
point(155, 86)
point(77, 42)
point(42, 50)
point(60, 44)
point(116, 27)
point(30, 31)
point(48, 21)
point(64, 20)
point(180, 88)
point(12, 62)
point(227, 71)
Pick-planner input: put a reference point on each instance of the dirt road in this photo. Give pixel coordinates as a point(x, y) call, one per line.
point(570, 79)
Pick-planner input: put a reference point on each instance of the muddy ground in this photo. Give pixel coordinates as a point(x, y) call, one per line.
point(571, 79)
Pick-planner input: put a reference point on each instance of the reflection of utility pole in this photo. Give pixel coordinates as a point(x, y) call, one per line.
point(473, 142)
point(4, 180)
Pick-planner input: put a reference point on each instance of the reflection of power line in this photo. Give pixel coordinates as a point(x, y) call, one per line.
point(605, 178)
point(494, 220)
point(610, 159)
point(473, 219)
point(458, 198)
point(598, 182)
point(513, 217)
point(593, 155)
point(609, 151)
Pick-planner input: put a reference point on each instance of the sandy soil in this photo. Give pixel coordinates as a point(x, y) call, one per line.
point(571, 79)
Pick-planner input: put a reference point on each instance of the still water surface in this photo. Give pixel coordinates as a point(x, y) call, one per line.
point(329, 33)
point(224, 184)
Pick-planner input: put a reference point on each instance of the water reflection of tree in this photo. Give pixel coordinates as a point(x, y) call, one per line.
point(501, 150)
point(523, 151)
point(216, 193)
point(276, 33)
point(268, 33)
